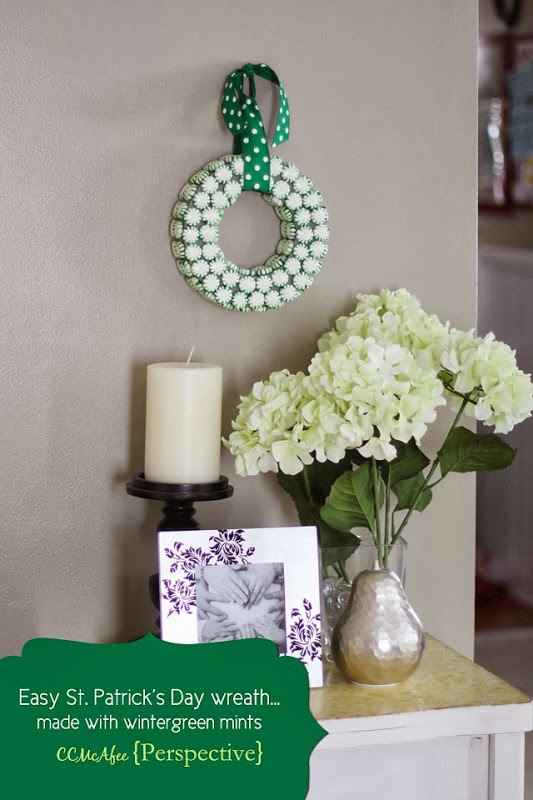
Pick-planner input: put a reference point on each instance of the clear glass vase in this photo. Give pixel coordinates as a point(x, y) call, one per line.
point(336, 591)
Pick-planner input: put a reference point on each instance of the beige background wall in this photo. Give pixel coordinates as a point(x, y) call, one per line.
point(106, 108)
point(514, 229)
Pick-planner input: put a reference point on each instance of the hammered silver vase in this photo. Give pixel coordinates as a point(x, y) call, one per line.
point(378, 639)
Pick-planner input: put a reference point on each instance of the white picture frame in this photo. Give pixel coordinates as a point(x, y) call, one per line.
point(265, 581)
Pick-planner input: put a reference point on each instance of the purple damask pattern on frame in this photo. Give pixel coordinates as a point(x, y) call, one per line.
point(304, 635)
point(228, 547)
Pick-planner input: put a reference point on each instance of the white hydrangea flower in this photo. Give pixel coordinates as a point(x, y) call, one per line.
point(193, 252)
point(320, 215)
point(247, 284)
point(190, 235)
point(290, 172)
point(220, 200)
point(377, 391)
point(393, 316)
point(211, 251)
point(230, 278)
point(211, 216)
point(193, 216)
point(302, 184)
point(302, 216)
point(265, 434)
point(223, 174)
point(210, 184)
point(201, 199)
point(293, 201)
point(378, 378)
point(209, 233)
point(257, 300)
point(501, 395)
point(232, 189)
point(211, 283)
point(293, 266)
point(281, 189)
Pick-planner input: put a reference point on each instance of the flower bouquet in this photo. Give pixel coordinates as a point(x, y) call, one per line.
point(345, 436)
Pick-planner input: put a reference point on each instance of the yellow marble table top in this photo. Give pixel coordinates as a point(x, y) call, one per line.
point(444, 679)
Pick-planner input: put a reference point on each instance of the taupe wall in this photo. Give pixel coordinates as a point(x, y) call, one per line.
point(106, 108)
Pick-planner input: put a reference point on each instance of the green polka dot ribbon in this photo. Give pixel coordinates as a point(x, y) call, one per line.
point(243, 119)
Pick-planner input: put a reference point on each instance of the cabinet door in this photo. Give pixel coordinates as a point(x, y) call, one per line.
point(454, 768)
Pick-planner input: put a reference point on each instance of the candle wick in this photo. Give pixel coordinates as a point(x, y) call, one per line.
point(190, 356)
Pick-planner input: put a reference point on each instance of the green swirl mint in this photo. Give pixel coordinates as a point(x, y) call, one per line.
point(193, 252)
point(294, 201)
point(211, 215)
point(210, 184)
point(201, 200)
point(209, 233)
point(304, 234)
point(290, 172)
point(302, 216)
point(230, 278)
point(218, 265)
point(313, 199)
point(193, 216)
point(190, 235)
point(223, 174)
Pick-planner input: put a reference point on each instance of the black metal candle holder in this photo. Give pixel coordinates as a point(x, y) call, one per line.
point(178, 511)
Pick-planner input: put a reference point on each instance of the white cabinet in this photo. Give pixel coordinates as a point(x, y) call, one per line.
point(451, 732)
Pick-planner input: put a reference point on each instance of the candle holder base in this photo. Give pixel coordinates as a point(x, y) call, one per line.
point(178, 511)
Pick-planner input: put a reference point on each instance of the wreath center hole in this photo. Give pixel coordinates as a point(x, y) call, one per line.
point(249, 231)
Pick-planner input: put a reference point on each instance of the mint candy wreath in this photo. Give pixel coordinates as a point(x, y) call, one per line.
point(203, 200)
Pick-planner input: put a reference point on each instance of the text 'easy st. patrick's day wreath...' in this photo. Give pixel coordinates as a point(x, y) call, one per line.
point(203, 200)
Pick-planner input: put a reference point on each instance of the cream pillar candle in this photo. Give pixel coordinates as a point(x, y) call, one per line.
point(183, 423)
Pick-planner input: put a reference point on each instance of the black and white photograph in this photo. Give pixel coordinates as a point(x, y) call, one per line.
point(245, 601)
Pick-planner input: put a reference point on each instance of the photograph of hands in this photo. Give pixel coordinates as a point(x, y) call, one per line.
point(241, 601)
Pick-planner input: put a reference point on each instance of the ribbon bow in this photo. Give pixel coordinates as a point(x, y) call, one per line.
point(243, 119)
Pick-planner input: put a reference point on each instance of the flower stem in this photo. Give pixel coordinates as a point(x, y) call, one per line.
point(342, 569)
point(388, 522)
point(378, 541)
point(307, 483)
point(431, 472)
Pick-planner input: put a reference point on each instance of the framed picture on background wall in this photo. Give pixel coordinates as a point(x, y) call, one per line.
point(505, 122)
point(223, 585)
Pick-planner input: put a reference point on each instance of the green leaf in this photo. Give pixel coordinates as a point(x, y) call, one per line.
point(351, 501)
point(335, 545)
point(466, 451)
point(409, 462)
point(406, 492)
point(316, 478)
